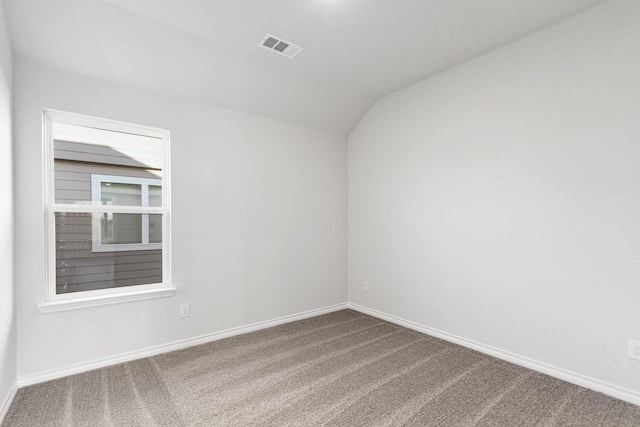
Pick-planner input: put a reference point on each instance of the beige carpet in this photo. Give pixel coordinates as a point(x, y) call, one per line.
point(340, 369)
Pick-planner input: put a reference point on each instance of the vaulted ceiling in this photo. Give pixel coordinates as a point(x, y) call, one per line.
point(355, 51)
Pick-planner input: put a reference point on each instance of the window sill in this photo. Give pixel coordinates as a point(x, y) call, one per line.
point(78, 303)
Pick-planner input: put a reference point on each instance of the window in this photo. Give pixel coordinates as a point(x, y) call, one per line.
point(121, 231)
point(107, 211)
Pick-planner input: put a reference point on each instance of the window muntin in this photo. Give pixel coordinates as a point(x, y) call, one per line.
point(107, 210)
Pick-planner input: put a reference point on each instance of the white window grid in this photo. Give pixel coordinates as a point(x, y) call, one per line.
point(96, 224)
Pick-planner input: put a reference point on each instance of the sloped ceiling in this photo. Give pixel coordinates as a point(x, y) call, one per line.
point(355, 50)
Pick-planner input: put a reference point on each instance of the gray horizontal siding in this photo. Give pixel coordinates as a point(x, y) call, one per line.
point(73, 179)
point(80, 269)
point(136, 156)
point(106, 276)
point(104, 285)
point(107, 267)
point(94, 259)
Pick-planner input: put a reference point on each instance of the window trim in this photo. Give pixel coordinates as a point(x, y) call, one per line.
point(96, 225)
point(54, 302)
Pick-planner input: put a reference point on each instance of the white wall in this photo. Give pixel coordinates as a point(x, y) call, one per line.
point(7, 298)
point(259, 222)
point(500, 201)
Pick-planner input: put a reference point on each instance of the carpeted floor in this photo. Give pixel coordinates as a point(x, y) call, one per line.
point(340, 369)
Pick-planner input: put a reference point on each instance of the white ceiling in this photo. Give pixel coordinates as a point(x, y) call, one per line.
point(355, 50)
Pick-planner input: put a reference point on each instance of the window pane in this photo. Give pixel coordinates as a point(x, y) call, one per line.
point(155, 228)
point(120, 228)
point(82, 151)
point(118, 194)
point(79, 268)
point(155, 196)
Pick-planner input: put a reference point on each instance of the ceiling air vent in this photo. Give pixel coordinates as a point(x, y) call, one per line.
point(283, 47)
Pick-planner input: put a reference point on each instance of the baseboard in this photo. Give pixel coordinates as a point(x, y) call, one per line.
point(165, 348)
point(6, 403)
point(563, 374)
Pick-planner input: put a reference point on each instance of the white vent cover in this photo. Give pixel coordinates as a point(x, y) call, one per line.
point(278, 45)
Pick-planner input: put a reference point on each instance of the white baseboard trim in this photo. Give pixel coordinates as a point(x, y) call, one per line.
point(563, 374)
point(6, 403)
point(165, 348)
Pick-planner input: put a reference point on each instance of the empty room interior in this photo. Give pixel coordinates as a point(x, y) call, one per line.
point(319, 212)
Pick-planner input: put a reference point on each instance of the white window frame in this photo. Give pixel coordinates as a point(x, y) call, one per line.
point(96, 224)
point(54, 302)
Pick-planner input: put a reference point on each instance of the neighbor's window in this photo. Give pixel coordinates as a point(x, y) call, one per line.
point(107, 210)
point(122, 231)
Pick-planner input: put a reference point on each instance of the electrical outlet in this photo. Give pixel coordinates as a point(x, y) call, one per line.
point(184, 310)
point(366, 287)
point(634, 349)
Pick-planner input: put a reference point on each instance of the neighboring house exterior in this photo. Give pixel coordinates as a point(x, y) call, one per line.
point(106, 250)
